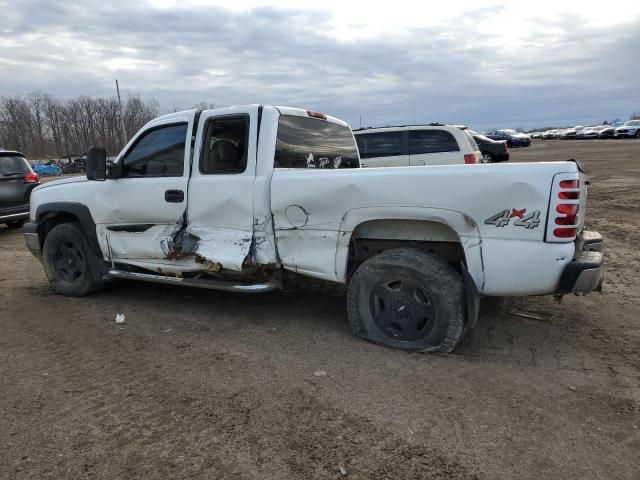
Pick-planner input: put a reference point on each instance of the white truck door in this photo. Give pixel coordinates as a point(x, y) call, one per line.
point(136, 213)
point(434, 147)
point(383, 149)
point(221, 188)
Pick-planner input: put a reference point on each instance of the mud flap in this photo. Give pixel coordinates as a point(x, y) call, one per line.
point(472, 300)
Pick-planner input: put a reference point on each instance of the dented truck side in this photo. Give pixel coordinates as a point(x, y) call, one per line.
point(230, 198)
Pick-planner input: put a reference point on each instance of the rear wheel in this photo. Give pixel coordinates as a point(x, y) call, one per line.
point(487, 158)
point(66, 259)
point(15, 224)
point(407, 299)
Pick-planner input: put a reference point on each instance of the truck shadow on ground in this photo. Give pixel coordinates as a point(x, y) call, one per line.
point(318, 318)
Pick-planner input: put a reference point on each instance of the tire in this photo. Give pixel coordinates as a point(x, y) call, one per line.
point(407, 299)
point(15, 224)
point(66, 261)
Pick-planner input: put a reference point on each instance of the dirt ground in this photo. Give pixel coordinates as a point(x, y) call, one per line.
point(201, 384)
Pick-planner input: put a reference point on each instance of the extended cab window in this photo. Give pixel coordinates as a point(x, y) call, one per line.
point(432, 141)
point(225, 145)
point(157, 153)
point(314, 143)
point(381, 144)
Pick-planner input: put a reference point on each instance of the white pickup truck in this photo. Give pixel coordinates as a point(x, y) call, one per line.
point(231, 198)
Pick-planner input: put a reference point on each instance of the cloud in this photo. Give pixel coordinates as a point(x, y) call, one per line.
point(562, 69)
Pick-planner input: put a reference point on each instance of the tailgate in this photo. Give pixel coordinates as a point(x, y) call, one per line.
point(12, 191)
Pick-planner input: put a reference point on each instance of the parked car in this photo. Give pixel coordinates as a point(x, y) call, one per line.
point(17, 180)
point(590, 132)
point(630, 129)
point(416, 145)
point(536, 135)
point(571, 133)
point(549, 134)
point(493, 151)
point(609, 131)
point(232, 198)
point(513, 138)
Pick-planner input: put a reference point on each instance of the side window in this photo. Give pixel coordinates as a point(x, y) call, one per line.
point(225, 145)
point(381, 144)
point(432, 141)
point(157, 153)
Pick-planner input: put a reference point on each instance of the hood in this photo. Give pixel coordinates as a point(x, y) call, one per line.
point(628, 127)
point(62, 182)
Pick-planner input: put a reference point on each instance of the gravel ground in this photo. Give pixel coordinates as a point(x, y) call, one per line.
point(201, 384)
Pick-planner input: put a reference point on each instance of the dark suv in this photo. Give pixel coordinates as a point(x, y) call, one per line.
point(17, 179)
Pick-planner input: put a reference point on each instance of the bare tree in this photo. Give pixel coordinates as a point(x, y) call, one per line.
point(41, 125)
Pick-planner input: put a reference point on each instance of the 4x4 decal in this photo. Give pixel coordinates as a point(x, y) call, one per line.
point(524, 219)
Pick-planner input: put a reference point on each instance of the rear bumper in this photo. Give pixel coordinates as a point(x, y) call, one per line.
point(32, 238)
point(585, 273)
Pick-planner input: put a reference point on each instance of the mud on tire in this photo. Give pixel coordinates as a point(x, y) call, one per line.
point(407, 299)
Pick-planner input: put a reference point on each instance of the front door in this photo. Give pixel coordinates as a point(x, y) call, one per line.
point(138, 214)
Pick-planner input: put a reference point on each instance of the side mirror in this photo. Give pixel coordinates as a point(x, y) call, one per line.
point(97, 164)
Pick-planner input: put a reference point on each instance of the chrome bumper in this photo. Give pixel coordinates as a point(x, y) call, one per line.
point(32, 239)
point(585, 273)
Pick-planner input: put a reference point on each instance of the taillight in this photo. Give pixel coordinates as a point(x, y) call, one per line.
point(319, 115)
point(569, 183)
point(565, 232)
point(31, 177)
point(470, 158)
point(563, 212)
point(506, 147)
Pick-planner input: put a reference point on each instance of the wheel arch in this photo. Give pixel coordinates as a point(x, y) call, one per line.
point(48, 215)
point(411, 224)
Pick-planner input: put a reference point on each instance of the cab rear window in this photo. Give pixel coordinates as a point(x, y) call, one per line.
point(314, 143)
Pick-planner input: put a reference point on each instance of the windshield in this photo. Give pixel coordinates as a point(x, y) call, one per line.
point(633, 123)
point(13, 164)
point(510, 132)
point(305, 142)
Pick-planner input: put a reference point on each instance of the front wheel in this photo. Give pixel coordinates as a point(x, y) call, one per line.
point(407, 299)
point(66, 259)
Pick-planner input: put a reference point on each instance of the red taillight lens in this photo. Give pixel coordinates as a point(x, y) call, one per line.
point(470, 158)
point(569, 183)
point(567, 209)
point(565, 232)
point(506, 147)
point(319, 115)
point(568, 195)
point(570, 220)
point(31, 178)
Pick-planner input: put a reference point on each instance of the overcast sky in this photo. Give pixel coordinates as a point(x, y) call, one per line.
point(481, 63)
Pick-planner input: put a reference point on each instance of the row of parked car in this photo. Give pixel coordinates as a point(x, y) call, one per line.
point(629, 129)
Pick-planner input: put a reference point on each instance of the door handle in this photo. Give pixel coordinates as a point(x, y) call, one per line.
point(174, 196)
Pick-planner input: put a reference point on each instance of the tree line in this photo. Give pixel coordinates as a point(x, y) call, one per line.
point(43, 126)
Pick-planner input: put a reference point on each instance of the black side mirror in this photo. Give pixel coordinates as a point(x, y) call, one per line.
point(97, 164)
